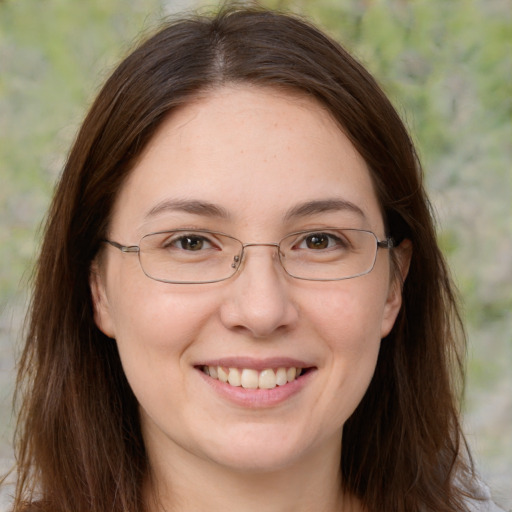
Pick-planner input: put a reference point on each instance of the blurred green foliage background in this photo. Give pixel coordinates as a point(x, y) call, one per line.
point(447, 66)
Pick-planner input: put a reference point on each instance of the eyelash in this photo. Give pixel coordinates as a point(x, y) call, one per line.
point(333, 241)
point(175, 241)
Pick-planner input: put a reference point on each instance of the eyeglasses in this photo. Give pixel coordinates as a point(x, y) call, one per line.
point(187, 256)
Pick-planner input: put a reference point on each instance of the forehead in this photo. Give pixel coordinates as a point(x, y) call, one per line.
point(254, 153)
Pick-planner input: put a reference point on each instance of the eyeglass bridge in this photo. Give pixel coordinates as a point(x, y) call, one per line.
point(237, 258)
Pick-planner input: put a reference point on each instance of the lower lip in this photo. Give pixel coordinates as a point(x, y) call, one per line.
point(257, 398)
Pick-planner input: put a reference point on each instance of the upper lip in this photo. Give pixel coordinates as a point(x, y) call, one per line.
point(256, 363)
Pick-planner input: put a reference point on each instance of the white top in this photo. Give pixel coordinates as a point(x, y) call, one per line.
point(485, 504)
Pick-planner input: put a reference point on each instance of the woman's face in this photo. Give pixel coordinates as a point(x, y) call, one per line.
point(256, 164)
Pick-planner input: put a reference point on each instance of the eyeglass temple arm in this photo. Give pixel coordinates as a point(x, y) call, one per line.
point(389, 243)
point(123, 248)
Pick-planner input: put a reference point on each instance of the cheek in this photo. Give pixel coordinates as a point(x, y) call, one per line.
point(159, 317)
point(154, 328)
point(154, 334)
point(350, 313)
point(348, 321)
point(158, 329)
point(352, 335)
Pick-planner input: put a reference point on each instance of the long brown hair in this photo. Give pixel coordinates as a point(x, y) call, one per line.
point(79, 444)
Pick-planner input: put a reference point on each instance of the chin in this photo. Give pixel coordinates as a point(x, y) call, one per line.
point(256, 451)
point(256, 461)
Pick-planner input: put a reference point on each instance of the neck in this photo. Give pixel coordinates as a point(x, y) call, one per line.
point(185, 483)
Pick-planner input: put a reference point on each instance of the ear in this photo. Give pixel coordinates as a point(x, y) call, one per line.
point(100, 303)
point(403, 254)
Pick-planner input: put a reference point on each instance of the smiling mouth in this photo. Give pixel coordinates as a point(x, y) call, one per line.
point(249, 378)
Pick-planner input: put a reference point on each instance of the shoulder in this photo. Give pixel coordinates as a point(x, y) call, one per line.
point(483, 501)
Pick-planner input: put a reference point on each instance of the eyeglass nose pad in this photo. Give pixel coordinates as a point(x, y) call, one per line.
point(236, 261)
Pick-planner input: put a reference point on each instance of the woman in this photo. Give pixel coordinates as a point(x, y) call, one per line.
point(240, 303)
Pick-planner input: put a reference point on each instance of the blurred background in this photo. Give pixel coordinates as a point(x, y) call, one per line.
point(447, 66)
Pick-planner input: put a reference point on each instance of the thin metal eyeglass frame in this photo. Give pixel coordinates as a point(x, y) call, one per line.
point(388, 243)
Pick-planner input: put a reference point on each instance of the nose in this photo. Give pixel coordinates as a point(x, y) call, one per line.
point(258, 297)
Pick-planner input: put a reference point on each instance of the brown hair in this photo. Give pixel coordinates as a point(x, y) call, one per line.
point(79, 444)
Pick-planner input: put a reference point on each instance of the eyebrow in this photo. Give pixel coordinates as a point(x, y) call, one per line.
point(193, 206)
point(207, 209)
point(322, 206)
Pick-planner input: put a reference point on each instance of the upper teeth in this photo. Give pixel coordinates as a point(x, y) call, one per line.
point(253, 379)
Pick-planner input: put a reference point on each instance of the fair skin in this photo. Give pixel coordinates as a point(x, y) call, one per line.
point(257, 155)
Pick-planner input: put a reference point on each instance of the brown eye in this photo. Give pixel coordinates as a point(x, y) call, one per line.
point(317, 241)
point(193, 243)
